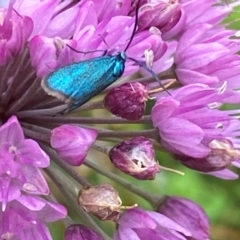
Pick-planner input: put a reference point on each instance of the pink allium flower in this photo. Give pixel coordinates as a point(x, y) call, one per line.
point(191, 116)
point(21, 178)
point(182, 41)
point(138, 224)
point(21, 160)
point(207, 55)
point(187, 214)
point(27, 216)
point(191, 126)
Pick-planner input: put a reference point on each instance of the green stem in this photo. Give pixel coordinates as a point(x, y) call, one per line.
point(29, 93)
point(66, 167)
point(36, 114)
point(35, 118)
point(153, 199)
point(91, 106)
point(101, 148)
point(150, 133)
point(72, 201)
point(36, 135)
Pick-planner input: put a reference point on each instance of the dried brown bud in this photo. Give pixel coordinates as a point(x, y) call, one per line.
point(102, 201)
point(135, 157)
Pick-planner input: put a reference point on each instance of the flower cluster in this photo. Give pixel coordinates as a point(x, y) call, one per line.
point(177, 218)
point(190, 53)
point(21, 184)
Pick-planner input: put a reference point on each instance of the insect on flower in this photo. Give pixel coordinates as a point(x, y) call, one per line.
point(79, 82)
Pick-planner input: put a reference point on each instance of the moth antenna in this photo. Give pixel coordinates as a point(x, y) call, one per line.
point(143, 65)
point(134, 28)
point(104, 51)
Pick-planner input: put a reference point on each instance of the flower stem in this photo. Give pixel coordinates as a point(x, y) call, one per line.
point(36, 128)
point(23, 99)
point(151, 133)
point(36, 135)
point(40, 103)
point(34, 115)
point(91, 106)
point(8, 70)
point(72, 201)
point(153, 199)
point(37, 114)
point(101, 148)
point(66, 167)
point(14, 86)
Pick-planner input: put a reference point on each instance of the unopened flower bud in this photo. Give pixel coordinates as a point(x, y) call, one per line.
point(187, 214)
point(102, 200)
point(135, 157)
point(127, 101)
point(221, 156)
point(72, 142)
point(161, 14)
point(80, 232)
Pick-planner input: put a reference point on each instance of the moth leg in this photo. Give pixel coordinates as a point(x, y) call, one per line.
point(73, 106)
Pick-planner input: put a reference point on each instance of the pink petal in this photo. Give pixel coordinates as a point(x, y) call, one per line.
point(11, 132)
point(192, 35)
point(163, 109)
point(187, 77)
point(199, 55)
point(136, 218)
point(33, 180)
point(29, 152)
point(168, 223)
point(224, 174)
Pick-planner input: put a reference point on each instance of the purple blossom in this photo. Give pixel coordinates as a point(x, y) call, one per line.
point(26, 218)
point(13, 36)
point(208, 11)
point(205, 55)
point(176, 117)
point(191, 116)
point(187, 214)
point(20, 162)
point(206, 51)
point(24, 215)
point(80, 232)
point(222, 155)
point(137, 224)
